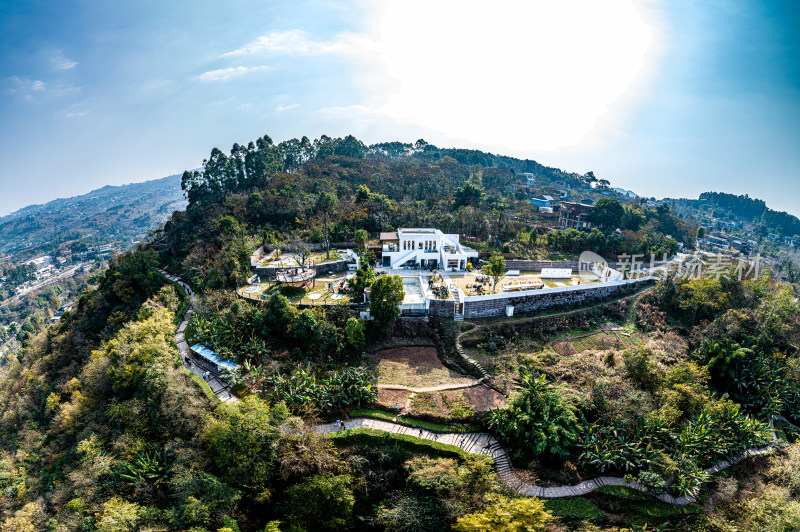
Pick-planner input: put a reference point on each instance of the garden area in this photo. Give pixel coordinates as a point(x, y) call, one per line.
point(291, 260)
point(478, 282)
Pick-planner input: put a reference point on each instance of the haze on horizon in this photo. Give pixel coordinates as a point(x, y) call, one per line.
point(663, 98)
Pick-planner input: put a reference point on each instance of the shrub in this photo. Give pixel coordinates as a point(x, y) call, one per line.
point(322, 502)
point(574, 509)
point(507, 514)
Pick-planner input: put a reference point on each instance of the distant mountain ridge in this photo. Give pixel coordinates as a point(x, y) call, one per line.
point(110, 213)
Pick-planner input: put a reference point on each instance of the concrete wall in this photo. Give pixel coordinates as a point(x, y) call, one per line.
point(531, 300)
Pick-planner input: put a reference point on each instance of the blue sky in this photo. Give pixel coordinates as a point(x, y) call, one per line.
point(668, 98)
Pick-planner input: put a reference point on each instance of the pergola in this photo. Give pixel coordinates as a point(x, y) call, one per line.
point(295, 276)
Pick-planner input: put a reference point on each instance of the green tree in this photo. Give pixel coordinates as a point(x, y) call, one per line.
point(243, 442)
point(507, 514)
point(495, 268)
point(119, 515)
point(278, 314)
point(322, 502)
point(360, 240)
point(385, 298)
point(365, 275)
point(306, 329)
point(354, 332)
point(469, 194)
point(325, 204)
point(536, 422)
point(608, 213)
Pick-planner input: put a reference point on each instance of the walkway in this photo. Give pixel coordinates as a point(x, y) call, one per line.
point(485, 444)
point(442, 388)
point(218, 386)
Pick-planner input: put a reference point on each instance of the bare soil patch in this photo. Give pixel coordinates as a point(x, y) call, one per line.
point(392, 397)
point(415, 367)
point(456, 404)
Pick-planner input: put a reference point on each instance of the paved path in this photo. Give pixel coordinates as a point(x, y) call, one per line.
point(218, 386)
point(485, 444)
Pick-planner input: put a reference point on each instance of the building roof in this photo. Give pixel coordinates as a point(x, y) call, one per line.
point(209, 355)
point(549, 198)
point(389, 236)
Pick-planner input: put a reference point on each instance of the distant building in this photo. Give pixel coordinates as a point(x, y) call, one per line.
point(573, 215)
point(544, 201)
point(425, 248)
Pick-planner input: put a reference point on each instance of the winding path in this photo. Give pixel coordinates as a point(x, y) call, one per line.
point(485, 444)
point(218, 387)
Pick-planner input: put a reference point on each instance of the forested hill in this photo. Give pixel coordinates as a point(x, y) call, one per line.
point(746, 209)
point(111, 213)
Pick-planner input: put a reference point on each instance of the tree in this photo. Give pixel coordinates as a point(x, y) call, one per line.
point(278, 314)
point(385, 298)
point(608, 213)
point(365, 274)
point(701, 232)
point(469, 194)
point(301, 252)
point(243, 441)
point(536, 422)
point(495, 268)
point(354, 332)
point(325, 203)
point(360, 240)
point(322, 502)
point(506, 514)
point(306, 328)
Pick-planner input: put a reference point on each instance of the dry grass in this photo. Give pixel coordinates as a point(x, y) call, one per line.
point(415, 367)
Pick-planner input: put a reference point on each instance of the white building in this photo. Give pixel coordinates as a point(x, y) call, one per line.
point(425, 248)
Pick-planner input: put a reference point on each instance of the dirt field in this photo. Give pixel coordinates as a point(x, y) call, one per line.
point(415, 367)
point(456, 403)
point(599, 341)
point(392, 397)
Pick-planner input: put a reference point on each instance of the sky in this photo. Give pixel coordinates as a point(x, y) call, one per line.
point(666, 98)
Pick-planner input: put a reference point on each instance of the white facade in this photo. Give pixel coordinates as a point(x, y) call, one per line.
point(425, 248)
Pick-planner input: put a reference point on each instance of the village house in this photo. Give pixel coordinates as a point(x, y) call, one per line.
point(425, 248)
point(572, 215)
point(545, 202)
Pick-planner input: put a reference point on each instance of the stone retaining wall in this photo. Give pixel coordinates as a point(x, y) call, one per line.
point(441, 307)
point(495, 304)
point(536, 265)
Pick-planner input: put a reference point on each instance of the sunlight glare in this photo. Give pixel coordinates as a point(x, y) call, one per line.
point(527, 75)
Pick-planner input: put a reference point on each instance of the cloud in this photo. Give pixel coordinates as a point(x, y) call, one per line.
point(224, 74)
point(37, 85)
point(295, 41)
point(62, 63)
point(281, 108)
point(75, 114)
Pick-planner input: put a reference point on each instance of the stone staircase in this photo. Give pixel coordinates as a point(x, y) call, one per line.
point(485, 444)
